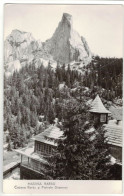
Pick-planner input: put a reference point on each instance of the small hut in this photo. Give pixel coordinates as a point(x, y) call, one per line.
point(98, 111)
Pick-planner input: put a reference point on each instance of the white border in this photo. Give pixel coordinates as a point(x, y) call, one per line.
point(63, 2)
point(2, 2)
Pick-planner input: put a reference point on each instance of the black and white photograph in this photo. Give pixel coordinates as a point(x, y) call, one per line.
point(63, 67)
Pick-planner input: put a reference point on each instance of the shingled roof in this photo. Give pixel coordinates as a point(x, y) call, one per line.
point(29, 152)
point(50, 135)
point(98, 107)
point(117, 113)
point(114, 134)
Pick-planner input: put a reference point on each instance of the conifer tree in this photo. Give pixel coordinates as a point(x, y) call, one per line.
point(83, 151)
point(101, 156)
point(68, 80)
point(70, 160)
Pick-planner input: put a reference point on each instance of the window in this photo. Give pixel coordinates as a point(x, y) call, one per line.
point(103, 118)
point(38, 147)
point(42, 147)
point(50, 149)
point(53, 150)
point(47, 148)
point(35, 146)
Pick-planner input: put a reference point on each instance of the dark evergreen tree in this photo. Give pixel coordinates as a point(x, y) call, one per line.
point(82, 153)
point(74, 150)
point(32, 90)
point(101, 156)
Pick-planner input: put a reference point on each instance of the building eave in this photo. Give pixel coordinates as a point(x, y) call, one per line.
point(32, 155)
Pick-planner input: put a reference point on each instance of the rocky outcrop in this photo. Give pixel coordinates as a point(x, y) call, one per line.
point(20, 49)
point(18, 45)
point(65, 46)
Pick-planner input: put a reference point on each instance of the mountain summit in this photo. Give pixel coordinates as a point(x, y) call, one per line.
point(65, 46)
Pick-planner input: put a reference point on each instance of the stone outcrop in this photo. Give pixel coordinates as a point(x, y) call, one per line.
point(65, 46)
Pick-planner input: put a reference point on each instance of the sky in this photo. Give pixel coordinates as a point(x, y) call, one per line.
point(101, 25)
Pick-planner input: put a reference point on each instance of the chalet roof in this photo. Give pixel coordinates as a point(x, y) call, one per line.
point(98, 107)
point(114, 134)
point(29, 152)
point(116, 113)
point(50, 135)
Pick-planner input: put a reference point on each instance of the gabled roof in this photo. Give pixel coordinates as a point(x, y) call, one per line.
point(98, 107)
point(50, 135)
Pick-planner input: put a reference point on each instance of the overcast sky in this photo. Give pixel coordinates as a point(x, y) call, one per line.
point(101, 25)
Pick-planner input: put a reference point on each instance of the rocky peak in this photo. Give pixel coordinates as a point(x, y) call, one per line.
point(67, 18)
point(64, 27)
point(18, 45)
point(18, 37)
point(66, 44)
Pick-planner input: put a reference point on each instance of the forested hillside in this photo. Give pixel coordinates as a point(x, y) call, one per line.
point(105, 73)
point(36, 94)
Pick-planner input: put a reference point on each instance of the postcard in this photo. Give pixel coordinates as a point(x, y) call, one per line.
point(63, 67)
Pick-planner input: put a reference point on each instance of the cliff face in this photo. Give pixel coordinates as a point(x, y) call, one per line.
point(65, 46)
point(20, 46)
point(20, 49)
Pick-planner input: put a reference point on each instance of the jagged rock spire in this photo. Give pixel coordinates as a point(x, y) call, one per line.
point(66, 44)
point(67, 18)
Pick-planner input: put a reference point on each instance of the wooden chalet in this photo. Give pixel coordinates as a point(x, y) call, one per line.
point(34, 158)
point(113, 128)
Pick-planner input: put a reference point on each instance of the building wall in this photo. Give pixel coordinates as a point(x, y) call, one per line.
point(36, 165)
point(98, 118)
point(29, 174)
